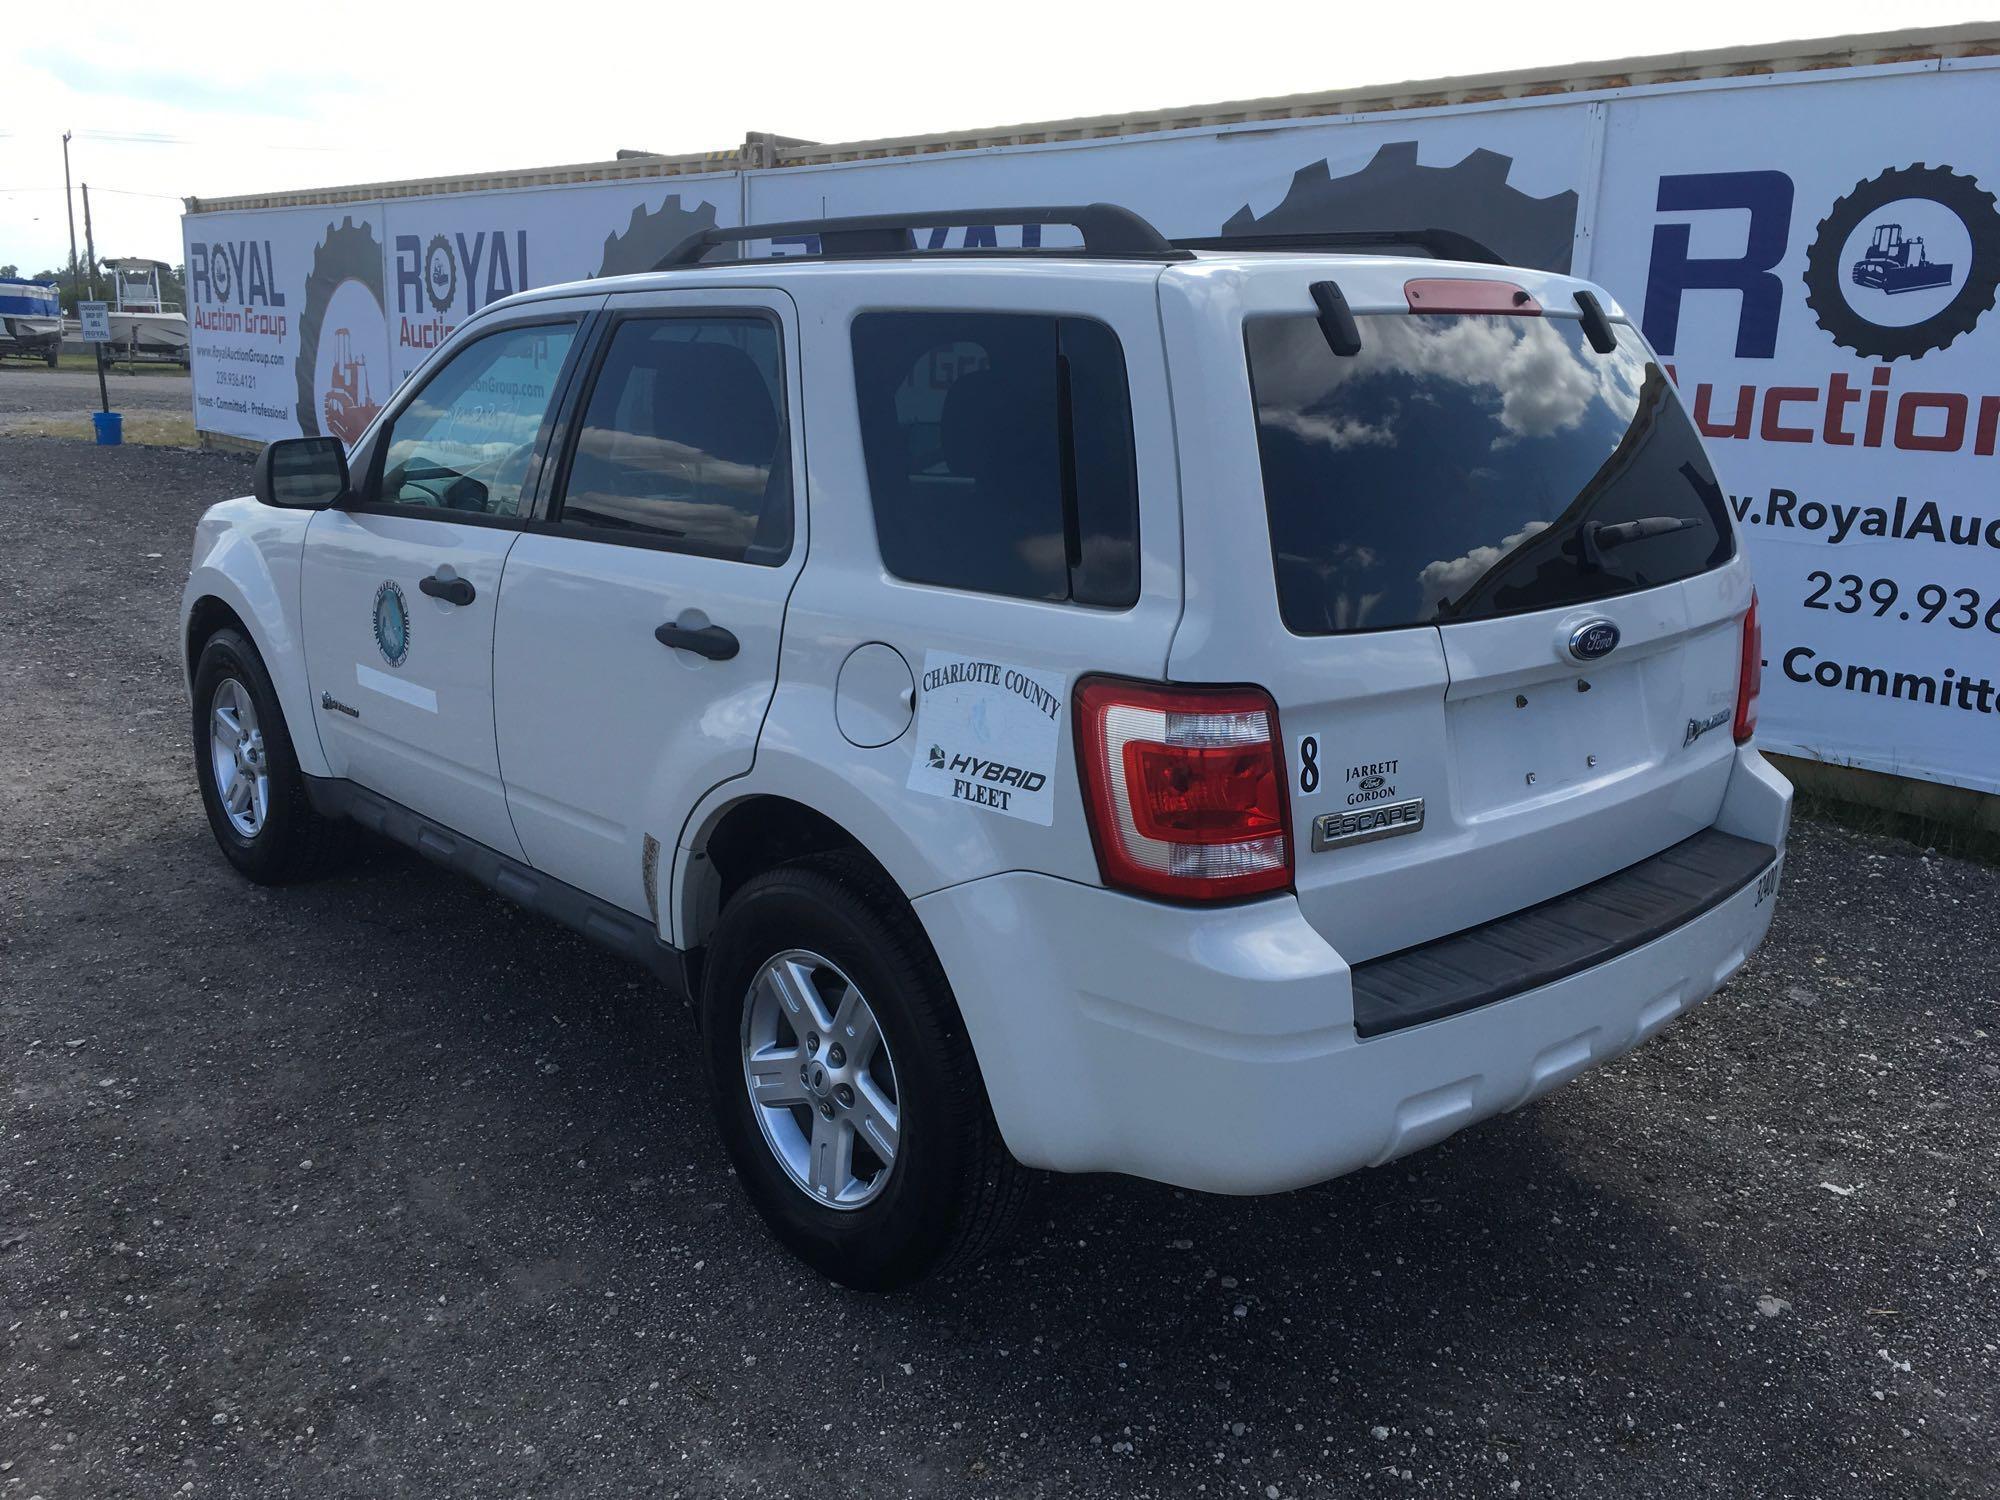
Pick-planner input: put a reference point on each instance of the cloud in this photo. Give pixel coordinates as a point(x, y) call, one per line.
point(1544, 385)
point(1443, 580)
point(1336, 432)
point(267, 93)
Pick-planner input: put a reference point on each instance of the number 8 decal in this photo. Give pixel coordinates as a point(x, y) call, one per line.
point(1308, 764)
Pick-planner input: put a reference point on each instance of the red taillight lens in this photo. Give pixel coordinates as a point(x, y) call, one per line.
point(1184, 787)
point(1750, 675)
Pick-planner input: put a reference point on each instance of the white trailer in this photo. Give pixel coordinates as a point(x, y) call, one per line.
point(1806, 232)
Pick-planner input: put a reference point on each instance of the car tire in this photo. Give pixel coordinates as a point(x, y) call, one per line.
point(274, 837)
point(951, 1191)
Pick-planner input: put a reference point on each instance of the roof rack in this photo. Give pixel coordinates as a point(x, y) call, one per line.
point(1439, 244)
point(1109, 233)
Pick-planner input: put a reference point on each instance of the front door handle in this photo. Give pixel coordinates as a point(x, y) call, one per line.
point(451, 590)
point(711, 641)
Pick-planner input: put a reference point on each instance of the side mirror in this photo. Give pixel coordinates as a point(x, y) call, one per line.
point(302, 473)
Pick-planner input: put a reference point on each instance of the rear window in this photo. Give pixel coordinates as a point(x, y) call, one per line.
point(999, 453)
point(1462, 467)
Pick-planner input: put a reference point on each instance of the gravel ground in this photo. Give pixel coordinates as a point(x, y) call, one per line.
point(71, 395)
point(381, 1187)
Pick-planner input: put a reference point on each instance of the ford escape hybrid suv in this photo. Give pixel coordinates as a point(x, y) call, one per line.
point(1229, 714)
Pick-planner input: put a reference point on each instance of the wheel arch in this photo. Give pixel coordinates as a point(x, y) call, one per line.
point(205, 616)
point(738, 838)
point(232, 586)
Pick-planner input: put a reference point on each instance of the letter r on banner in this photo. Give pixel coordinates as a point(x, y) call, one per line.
point(1768, 197)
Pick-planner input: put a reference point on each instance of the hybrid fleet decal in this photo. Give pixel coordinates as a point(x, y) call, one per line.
point(986, 735)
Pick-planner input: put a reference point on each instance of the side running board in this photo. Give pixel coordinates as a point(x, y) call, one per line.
point(630, 937)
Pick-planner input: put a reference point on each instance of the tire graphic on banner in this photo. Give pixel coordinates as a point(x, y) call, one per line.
point(338, 393)
point(649, 236)
point(440, 275)
point(1394, 192)
point(1880, 276)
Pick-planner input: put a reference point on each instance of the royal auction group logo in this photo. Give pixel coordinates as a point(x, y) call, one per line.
point(440, 274)
point(339, 393)
point(1905, 263)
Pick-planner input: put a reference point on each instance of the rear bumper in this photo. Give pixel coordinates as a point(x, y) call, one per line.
point(1217, 1050)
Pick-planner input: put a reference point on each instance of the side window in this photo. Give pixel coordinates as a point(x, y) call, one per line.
point(683, 440)
point(999, 453)
point(466, 441)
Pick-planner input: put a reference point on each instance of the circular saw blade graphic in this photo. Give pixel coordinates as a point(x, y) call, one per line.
point(348, 253)
point(1394, 191)
point(646, 240)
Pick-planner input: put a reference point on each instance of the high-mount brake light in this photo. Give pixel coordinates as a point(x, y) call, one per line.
point(1185, 788)
point(1469, 294)
point(1749, 674)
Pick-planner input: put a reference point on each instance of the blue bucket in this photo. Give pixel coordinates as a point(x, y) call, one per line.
point(110, 427)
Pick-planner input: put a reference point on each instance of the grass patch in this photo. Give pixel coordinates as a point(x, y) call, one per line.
point(86, 363)
point(1957, 840)
point(149, 429)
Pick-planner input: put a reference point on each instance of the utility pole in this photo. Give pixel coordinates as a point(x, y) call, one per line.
point(69, 205)
point(90, 254)
point(89, 246)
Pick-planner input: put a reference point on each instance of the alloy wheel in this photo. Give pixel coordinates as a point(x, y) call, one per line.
point(236, 754)
point(821, 1079)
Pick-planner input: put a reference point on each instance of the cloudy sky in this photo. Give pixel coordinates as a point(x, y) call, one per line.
point(278, 95)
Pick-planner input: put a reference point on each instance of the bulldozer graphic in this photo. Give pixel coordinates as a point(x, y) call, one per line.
point(350, 403)
point(1894, 263)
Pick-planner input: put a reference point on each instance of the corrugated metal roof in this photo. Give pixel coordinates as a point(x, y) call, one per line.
point(762, 150)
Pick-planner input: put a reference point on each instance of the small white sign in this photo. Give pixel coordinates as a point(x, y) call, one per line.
point(987, 733)
point(96, 318)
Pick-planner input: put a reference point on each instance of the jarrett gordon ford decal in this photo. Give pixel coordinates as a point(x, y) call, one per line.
point(986, 735)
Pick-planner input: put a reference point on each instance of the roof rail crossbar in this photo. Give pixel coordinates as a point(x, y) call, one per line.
point(1109, 232)
point(1439, 244)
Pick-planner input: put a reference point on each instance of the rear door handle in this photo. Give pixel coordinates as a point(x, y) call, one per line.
point(711, 641)
point(451, 590)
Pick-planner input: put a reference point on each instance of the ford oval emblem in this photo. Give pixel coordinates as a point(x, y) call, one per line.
point(1593, 640)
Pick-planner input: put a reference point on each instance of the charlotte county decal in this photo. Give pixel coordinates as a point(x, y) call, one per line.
point(392, 623)
point(986, 735)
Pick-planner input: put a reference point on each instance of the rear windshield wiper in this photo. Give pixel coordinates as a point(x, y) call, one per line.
point(1600, 537)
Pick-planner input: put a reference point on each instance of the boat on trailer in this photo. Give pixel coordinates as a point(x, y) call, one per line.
point(143, 326)
point(31, 325)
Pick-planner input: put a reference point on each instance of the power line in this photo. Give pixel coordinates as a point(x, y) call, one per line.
point(123, 193)
point(163, 138)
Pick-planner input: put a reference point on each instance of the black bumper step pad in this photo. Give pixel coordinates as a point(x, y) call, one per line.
point(1527, 949)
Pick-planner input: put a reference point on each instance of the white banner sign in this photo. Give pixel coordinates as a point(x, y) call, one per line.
point(305, 320)
point(1815, 257)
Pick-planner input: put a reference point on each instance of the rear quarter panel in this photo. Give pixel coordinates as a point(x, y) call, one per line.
point(845, 598)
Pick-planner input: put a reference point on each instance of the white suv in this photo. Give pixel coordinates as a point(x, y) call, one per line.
point(1227, 715)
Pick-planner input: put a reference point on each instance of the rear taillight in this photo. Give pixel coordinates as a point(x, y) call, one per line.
point(1185, 788)
point(1750, 674)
